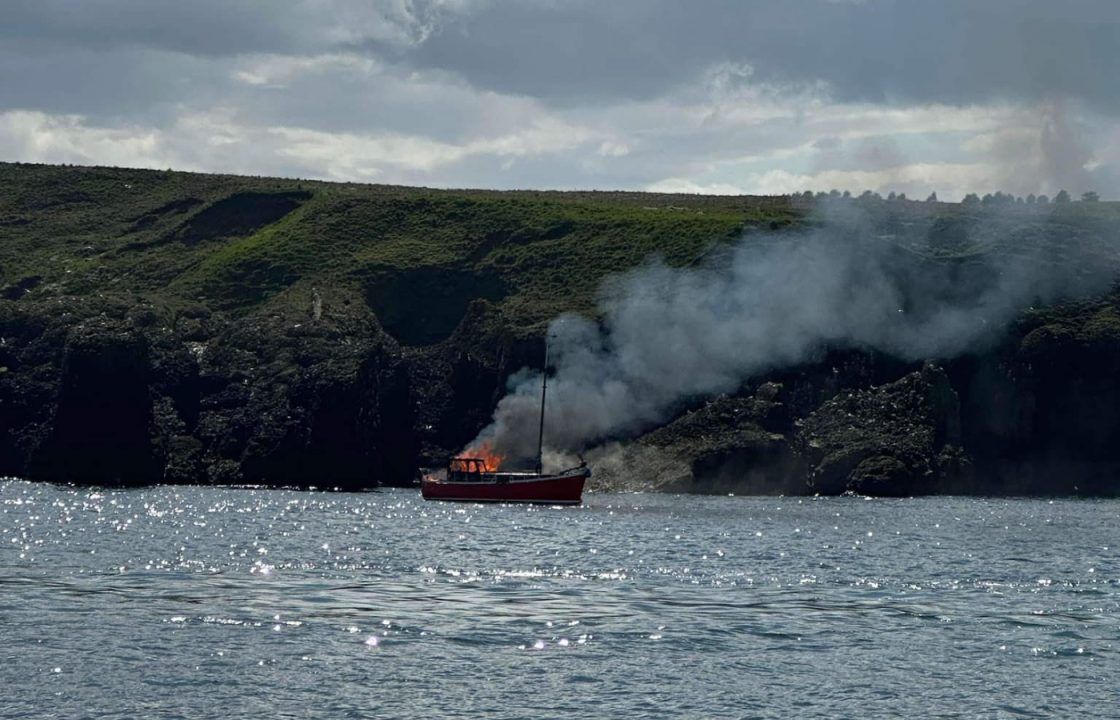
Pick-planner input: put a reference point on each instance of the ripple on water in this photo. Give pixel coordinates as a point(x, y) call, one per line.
point(253, 601)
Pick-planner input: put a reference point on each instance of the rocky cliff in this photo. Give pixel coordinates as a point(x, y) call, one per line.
point(167, 327)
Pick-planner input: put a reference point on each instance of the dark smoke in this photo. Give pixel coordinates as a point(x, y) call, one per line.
point(668, 335)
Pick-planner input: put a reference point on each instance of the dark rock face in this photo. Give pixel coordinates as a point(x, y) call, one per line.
point(424, 306)
point(899, 439)
point(731, 444)
point(102, 424)
point(31, 349)
point(1037, 414)
point(125, 396)
point(290, 400)
point(457, 383)
point(1042, 416)
point(315, 393)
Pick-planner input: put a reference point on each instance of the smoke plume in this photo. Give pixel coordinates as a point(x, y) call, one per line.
point(667, 335)
point(1065, 153)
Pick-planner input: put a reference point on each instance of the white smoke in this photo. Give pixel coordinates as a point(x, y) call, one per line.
point(668, 335)
point(1065, 153)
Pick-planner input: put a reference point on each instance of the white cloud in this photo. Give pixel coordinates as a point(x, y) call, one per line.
point(767, 143)
point(611, 148)
point(276, 71)
point(683, 185)
point(947, 179)
point(346, 115)
point(216, 141)
point(31, 136)
point(348, 156)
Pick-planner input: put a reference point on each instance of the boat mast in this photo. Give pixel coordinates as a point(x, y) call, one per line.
point(544, 388)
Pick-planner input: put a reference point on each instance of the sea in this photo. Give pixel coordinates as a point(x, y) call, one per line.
point(203, 602)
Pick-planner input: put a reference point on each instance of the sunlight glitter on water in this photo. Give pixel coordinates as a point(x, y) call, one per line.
point(221, 592)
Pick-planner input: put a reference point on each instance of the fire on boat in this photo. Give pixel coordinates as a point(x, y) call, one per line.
point(469, 479)
point(476, 476)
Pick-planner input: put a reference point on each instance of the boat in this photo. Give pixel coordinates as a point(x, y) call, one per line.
point(469, 479)
point(477, 478)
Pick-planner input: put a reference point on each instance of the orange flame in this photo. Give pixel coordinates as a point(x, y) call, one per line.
point(485, 451)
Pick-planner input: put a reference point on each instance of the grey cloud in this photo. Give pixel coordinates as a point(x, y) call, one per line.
point(204, 27)
point(954, 51)
point(637, 74)
point(132, 83)
point(566, 51)
point(224, 27)
point(874, 153)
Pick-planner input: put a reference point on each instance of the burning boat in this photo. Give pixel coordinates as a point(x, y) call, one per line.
point(469, 479)
point(476, 477)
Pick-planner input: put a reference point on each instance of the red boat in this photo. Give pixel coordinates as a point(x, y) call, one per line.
point(470, 480)
point(476, 478)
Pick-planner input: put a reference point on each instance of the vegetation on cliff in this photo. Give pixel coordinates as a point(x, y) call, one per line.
point(163, 326)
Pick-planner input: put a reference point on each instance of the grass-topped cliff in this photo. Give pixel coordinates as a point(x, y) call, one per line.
point(165, 326)
point(238, 244)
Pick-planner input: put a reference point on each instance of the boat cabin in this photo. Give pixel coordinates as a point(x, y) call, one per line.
point(465, 469)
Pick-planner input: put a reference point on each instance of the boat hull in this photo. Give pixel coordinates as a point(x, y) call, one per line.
point(562, 489)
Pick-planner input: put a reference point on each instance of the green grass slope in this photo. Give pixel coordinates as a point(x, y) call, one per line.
point(417, 256)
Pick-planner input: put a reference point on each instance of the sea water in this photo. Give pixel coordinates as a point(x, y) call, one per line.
point(203, 602)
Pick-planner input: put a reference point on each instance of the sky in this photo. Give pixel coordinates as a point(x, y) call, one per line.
point(708, 96)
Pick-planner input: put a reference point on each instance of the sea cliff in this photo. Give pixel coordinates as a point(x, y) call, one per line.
point(184, 328)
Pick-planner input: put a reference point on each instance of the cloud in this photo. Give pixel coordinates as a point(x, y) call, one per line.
point(225, 27)
point(712, 96)
point(684, 185)
point(65, 139)
point(364, 156)
point(277, 71)
point(954, 51)
point(949, 180)
point(218, 142)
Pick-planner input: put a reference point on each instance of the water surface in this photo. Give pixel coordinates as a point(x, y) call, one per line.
point(213, 602)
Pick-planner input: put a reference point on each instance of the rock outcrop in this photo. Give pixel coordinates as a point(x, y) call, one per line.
point(1036, 414)
point(113, 394)
point(903, 438)
point(314, 392)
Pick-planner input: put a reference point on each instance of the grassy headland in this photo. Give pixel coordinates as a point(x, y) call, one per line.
point(167, 326)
